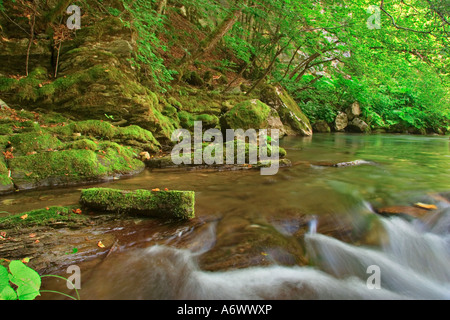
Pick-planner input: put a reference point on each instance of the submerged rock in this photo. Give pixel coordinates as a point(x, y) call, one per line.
point(410, 211)
point(161, 204)
point(343, 164)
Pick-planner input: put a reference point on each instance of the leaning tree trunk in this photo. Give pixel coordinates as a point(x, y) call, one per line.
point(58, 10)
point(268, 70)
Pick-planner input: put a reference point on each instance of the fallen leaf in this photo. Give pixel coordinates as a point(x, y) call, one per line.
point(32, 235)
point(24, 216)
point(165, 189)
point(100, 244)
point(25, 260)
point(425, 206)
point(37, 241)
point(3, 234)
point(47, 208)
point(156, 189)
point(77, 211)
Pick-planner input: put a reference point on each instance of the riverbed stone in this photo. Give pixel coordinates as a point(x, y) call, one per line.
point(321, 126)
point(403, 211)
point(358, 125)
point(341, 122)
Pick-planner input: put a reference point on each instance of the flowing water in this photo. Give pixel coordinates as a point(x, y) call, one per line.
point(295, 235)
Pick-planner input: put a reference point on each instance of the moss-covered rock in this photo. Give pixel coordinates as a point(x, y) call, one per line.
point(6, 185)
point(161, 204)
point(293, 118)
point(72, 167)
point(49, 150)
point(36, 141)
point(42, 217)
point(83, 144)
point(187, 120)
point(193, 78)
point(95, 79)
point(249, 114)
point(209, 150)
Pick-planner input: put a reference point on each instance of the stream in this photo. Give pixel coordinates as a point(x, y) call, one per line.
point(293, 235)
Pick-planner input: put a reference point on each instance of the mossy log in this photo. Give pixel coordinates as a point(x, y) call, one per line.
point(161, 204)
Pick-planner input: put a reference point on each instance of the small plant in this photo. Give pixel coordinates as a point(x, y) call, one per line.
point(109, 117)
point(21, 282)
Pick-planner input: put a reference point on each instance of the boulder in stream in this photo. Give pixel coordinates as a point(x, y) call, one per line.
point(341, 122)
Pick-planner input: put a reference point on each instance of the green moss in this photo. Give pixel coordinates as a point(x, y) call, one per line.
point(95, 128)
point(73, 166)
point(34, 141)
point(187, 120)
point(5, 129)
point(68, 165)
point(291, 113)
point(7, 84)
point(163, 204)
point(169, 111)
point(134, 132)
point(85, 144)
point(250, 114)
point(4, 179)
point(27, 88)
point(41, 217)
point(119, 159)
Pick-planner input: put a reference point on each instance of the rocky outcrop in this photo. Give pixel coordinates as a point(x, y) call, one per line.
point(48, 151)
point(293, 118)
point(95, 80)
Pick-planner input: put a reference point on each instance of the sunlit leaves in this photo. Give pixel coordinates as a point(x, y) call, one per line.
point(26, 281)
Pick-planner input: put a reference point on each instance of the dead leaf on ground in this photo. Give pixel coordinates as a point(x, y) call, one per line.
point(425, 206)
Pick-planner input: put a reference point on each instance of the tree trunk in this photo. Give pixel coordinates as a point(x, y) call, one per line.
point(161, 7)
point(211, 41)
point(269, 68)
point(58, 10)
point(30, 44)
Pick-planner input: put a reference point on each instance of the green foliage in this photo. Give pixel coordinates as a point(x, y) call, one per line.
point(146, 21)
point(26, 280)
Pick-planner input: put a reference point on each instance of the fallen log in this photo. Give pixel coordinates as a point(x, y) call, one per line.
point(159, 204)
